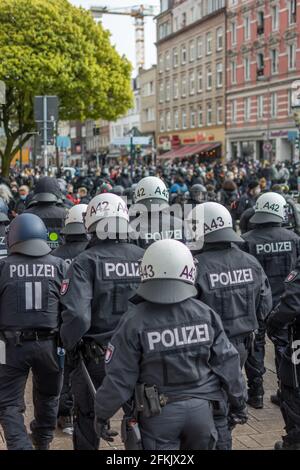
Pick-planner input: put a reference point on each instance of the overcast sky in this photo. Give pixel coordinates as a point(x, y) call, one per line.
point(122, 28)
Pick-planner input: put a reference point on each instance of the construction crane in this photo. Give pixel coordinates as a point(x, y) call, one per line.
point(138, 12)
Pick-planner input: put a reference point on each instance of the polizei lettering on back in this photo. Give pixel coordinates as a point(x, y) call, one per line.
point(121, 270)
point(274, 247)
point(31, 270)
point(230, 278)
point(173, 338)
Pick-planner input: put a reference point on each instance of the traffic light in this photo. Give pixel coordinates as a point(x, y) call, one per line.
point(297, 143)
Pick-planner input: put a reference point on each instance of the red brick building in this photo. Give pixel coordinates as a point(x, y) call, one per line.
point(263, 59)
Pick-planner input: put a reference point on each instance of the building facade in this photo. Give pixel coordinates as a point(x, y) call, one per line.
point(122, 126)
point(190, 79)
point(263, 60)
point(147, 87)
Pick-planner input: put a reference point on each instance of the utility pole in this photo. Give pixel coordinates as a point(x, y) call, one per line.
point(45, 132)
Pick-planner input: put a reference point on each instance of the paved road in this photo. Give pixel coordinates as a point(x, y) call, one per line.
point(264, 426)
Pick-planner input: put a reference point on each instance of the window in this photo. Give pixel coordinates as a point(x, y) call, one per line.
point(183, 54)
point(200, 81)
point(260, 65)
point(192, 15)
point(260, 107)
point(176, 119)
point(161, 122)
point(192, 118)
point(247, 28)
point(183, 119)
point(233, 111)
point(290, 108)
point(149, 115)
point(292, 7)
point(192, 51)
point(168, 90)
point(233, 32)
point(273, 105)
point(175, 88)
point(209, 114)
point(192, 83)
point(260, 22)
point(247, 109)
point(168, 60)
point(161, 92)
point(219, 75)
point(219, 41)
point(199, 47)
point(183, 86)
point(200, 116)
point(275, 17)
point(208, 78)
point(274, 61)
point(292, 56)
point(219, 112)
point(160, 63)
point(247, 69)
point(175, 57)
point(183, 20)
point(208, 43)
point(168, 121)
point(176, 24)
point(233, 72)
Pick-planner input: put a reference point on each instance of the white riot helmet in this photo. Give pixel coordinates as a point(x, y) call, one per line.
point(217, 224)
point(168, 273)
point(74, 224)
point(109, 208)
point(151, 190)
point(269, 207)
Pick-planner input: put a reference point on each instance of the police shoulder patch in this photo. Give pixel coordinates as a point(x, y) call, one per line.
point(109, 353)
point(291, 276)
point(64, 286)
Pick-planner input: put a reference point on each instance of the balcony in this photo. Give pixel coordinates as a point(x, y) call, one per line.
point(260, 29)
point(260, 73)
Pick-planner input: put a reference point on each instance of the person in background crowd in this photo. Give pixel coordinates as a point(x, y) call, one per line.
point(20, 202)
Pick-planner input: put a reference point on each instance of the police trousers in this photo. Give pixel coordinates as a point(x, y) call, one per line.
point(41, 358)
point(290, 409)
point(221, 408)
point(254, 367)
point(182, 425)
point(84, 435)
point(66, 398)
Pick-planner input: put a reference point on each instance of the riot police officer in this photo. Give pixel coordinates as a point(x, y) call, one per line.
point(172, 351)
point(94, 296)
point(74, 233)
point(276, 248)
point(46, 202)
point(151, 216)
point(75, 242)
point(234, 284)
point(287, 313)
point(30, 280)
point(197, 195)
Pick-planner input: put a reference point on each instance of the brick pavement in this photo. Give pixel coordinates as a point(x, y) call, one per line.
point(264, 426)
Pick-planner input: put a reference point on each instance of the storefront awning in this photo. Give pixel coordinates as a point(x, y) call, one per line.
point(189, 151)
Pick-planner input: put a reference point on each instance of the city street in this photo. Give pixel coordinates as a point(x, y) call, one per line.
point(263, 429)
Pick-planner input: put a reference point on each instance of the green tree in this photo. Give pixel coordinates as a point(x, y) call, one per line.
point(51, 47)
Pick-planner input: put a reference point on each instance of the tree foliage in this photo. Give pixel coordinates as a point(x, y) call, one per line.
point(49, 47)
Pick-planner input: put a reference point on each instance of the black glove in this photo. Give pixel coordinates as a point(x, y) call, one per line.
point(237, 416)
point(102, 429)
